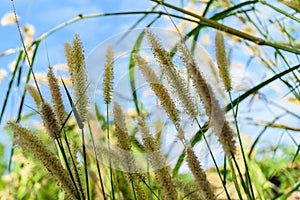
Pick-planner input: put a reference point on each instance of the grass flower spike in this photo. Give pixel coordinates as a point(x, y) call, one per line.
point(50, 121)
point(32, 144)
point(199, 174)
point(128, 161)
point(34, 94)
point(222, 60)
point(77, 70)
point(59, 108)
point(211, 104)
point(158, 88)
point(158, 163)
point(108, 75)
point(175, 79)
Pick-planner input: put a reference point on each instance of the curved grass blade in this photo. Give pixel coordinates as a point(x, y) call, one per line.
point(19, 59)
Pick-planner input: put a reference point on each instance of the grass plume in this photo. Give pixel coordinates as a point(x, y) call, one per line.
point(32, 144)
point(59, 108)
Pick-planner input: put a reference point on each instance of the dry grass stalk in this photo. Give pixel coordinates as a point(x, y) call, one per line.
point(59, 108)
point(32, 144)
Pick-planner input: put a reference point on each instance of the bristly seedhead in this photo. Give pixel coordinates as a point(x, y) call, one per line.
point(108, 75)
point(34, 94)
point(32, 144)
point(161, 55)
point(59, 108)
point(127, 158)
point(158, 88)
point(77, 70)
point(174, 77)
point(210, 102)
point(222, 60)
point(199, 174)
point(68, 54)
point(50, 120)
point(158, 162)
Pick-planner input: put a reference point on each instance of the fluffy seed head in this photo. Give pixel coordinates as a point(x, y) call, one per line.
point(77, 70)
point(32, 144)
point(199, 174)
point(108, 75)
point(49, 119)
point(34, 94)
point(158, 88)
point(59, 108)
point(222, 60)
point(211, 104)
point(128, 161)
point(175, 79)
point(158, 162)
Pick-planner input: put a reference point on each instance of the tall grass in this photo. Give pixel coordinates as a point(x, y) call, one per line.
point(125, 158)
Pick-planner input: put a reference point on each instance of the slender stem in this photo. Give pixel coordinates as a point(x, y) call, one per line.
point(81, 17)
point(85, 165)
point(97, 163)
point(242, 149)
point(237, 187)
point(59, 142)
point(133, 190)
point(214, 161)
point(109, 155)
point(150, 188)
point(74, 165)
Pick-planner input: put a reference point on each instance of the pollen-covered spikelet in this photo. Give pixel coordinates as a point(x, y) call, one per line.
point(203, 89)
point(68, 53)
point(59, 108)
point(77, 70)
point(108, 75)
point(34, 94)
point(50, 121)
point(158, 162)
point(32, 144)
point(175, 79)
point(158, 88)
point(222, 60)
point(211, 104)
point(124, 142)
point(199, 174)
